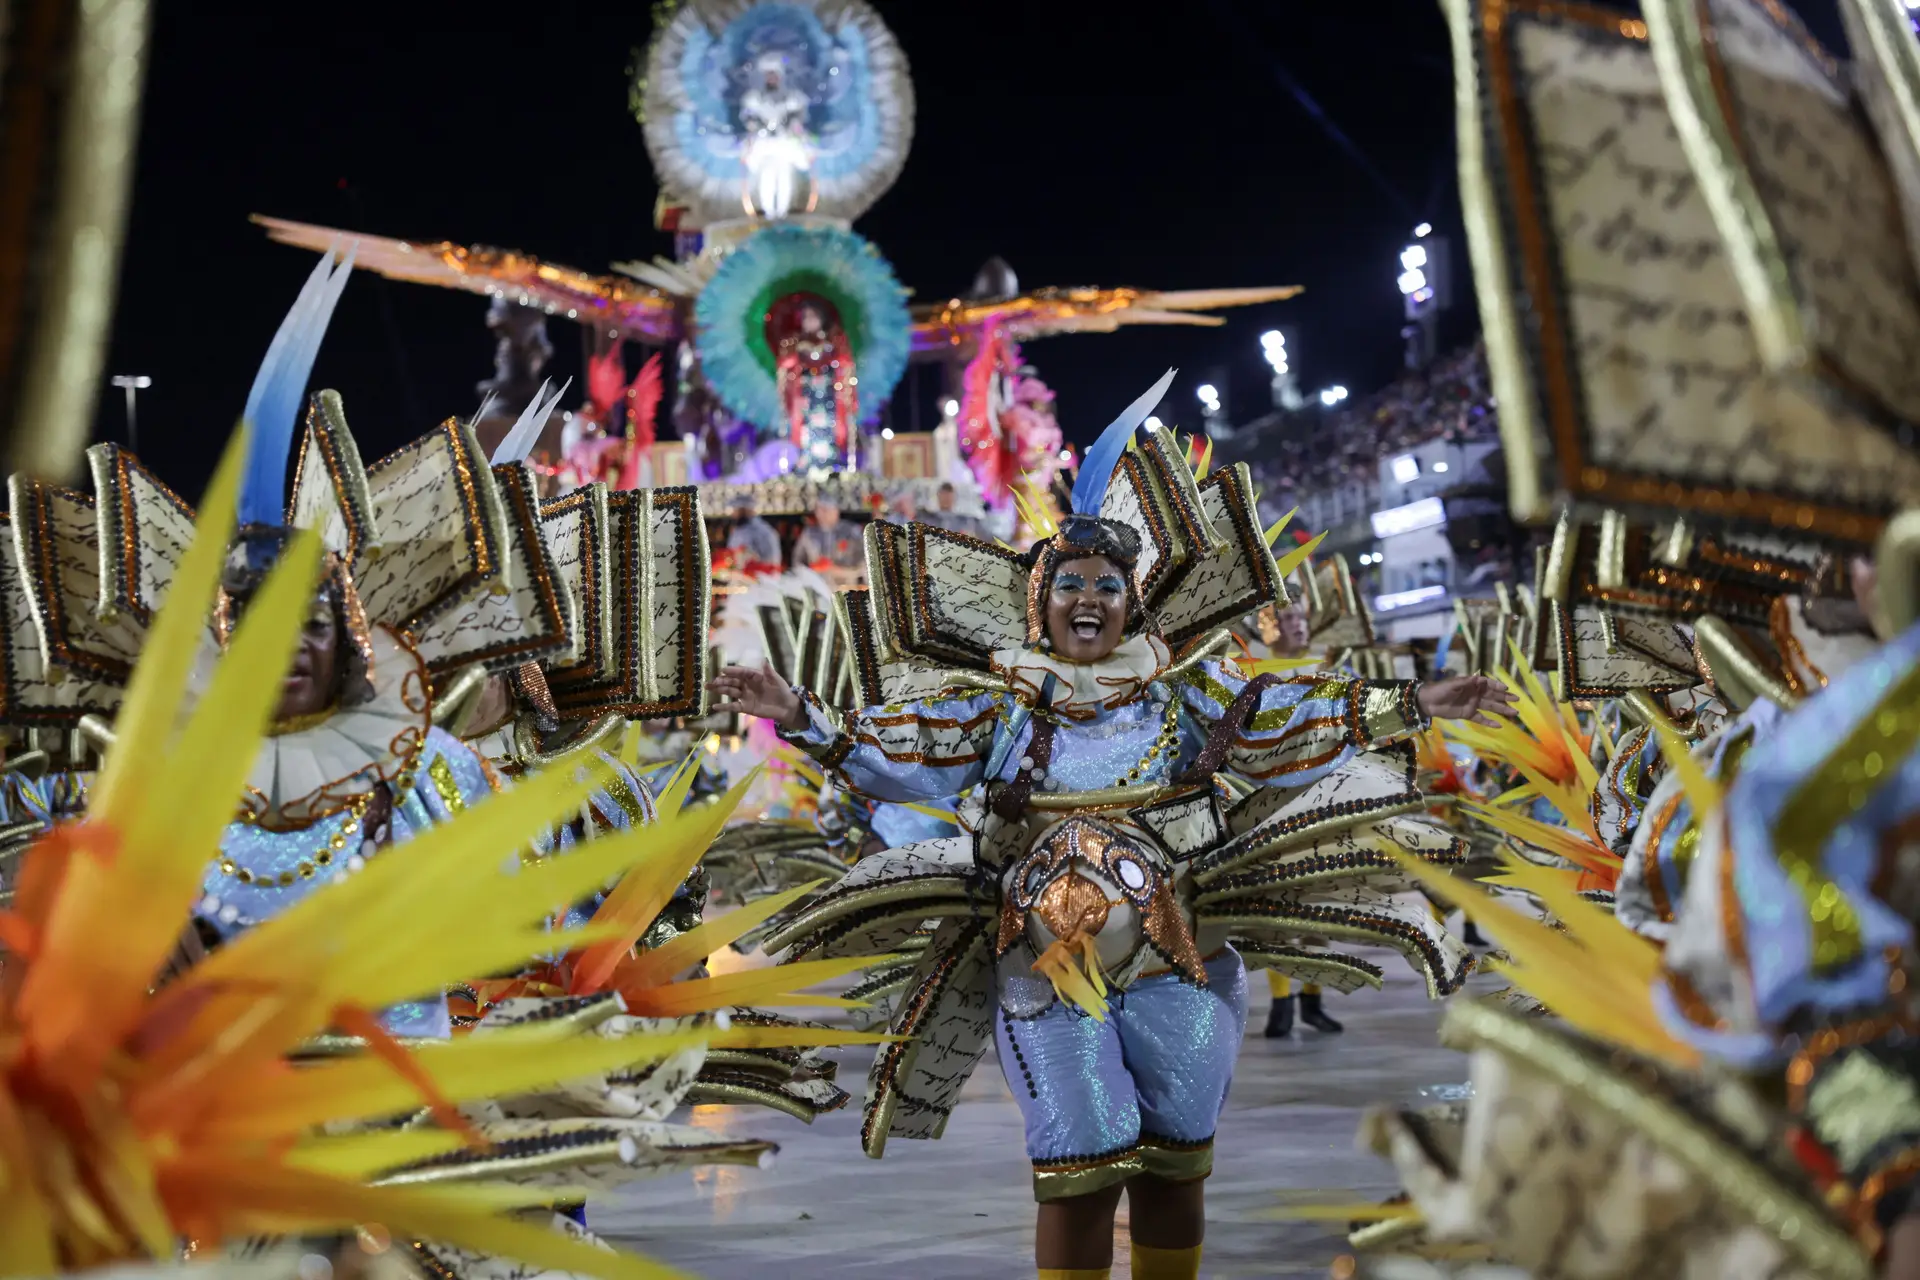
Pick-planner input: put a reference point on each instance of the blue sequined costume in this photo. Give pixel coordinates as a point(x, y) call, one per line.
point(283, 867)
point(1141, 1090)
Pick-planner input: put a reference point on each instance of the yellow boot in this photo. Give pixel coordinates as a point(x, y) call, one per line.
point(1165, 1264)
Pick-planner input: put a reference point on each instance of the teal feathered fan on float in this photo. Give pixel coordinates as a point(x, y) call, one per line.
point(774, 266)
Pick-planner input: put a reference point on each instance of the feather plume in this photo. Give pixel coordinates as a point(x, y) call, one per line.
point(643, 406)
point(273, 402)
point(527, 427)
point(1090, 486)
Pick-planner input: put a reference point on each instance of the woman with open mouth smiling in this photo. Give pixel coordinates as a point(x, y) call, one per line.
point(1097, 746)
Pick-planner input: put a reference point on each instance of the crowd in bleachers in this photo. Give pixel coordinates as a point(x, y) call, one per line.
point(1320, 449)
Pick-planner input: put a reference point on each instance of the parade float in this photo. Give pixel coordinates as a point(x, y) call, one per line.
point(784, 333)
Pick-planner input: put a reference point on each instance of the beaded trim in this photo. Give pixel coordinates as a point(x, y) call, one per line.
point(314, 863)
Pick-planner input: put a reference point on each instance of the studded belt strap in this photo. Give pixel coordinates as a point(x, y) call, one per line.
point(1012, 798)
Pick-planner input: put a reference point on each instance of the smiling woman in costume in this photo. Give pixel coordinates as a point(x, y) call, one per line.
point(1099, 833)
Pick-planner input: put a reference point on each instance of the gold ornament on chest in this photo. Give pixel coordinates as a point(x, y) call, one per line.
point(1088, 894)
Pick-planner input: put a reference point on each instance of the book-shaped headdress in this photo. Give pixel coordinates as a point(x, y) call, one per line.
point(435, 544)
point(940, 604)
point(635, 565)
point(1691, 257)
point(1631, 605)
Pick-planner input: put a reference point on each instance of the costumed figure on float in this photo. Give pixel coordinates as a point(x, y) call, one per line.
point(1075, 693)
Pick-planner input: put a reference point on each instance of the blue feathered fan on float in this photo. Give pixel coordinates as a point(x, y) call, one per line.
point(764, 276)
point(723, 74)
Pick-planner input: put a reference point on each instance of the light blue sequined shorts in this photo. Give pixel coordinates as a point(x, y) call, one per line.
point(1138, 1093)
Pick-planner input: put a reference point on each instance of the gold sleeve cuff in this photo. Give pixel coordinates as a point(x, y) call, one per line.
point(1385, 709)
point(825, 738)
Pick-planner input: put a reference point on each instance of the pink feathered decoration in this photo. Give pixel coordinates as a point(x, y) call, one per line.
point(1006, 430)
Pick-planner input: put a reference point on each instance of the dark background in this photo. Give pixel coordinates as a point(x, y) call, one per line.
point(1201, 144)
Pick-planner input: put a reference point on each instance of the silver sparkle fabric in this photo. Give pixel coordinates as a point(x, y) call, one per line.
point(1158, 1066)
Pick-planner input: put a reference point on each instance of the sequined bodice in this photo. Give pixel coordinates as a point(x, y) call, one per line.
point(1140, 742)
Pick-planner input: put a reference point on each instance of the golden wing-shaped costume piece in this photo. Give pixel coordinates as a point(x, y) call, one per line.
point(634, 309)
point(1045, 312)
point(646, 301)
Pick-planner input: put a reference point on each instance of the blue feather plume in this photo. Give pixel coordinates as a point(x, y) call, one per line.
point(1096, 468)
point(273, 403)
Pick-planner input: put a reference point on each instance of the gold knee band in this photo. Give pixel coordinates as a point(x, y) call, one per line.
point(1165, 1264)
point(1280, 984)
point(1078, 1273)
point(1176, 1161)
point(1064, 1179)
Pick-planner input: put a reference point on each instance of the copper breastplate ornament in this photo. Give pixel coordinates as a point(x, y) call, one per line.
point(1087, 896)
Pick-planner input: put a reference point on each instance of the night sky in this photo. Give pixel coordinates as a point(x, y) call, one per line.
point(1167, 146)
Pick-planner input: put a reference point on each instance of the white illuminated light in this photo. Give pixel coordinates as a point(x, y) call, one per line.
point(1401, 599)
point(1413, 256)
point(1424, 514)
point(953, 408)
point(886, 433)
point(1426, 228)
point(1406, 468)
point(1209, 395)
point(1412, 281)
point(1066, 455)
point(1439, 467)
point(1273, 344)
point(1154, 424)
point(1333, 395)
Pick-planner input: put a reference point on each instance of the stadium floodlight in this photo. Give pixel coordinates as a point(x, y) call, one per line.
point(953, 408)
point(133, 384)
point(1333, 395)
point(1209, 396)
point(1413, 257)
point(1424, 229)
point(1412, 281)
point(1273, 345)
point(1154, 423)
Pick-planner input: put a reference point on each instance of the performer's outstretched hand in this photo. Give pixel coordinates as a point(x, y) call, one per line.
point(761, 693)
point(1475, 698)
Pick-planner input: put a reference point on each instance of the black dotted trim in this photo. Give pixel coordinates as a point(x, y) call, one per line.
point(1019, 1058)
point(1306, 915)
point(1329, 866)
point(1111, 1156)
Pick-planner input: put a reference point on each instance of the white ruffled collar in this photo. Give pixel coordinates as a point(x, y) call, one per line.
point(1083, 690)
point(310, 773)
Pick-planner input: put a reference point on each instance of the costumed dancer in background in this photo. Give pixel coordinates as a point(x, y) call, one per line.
point(1290, 640)
point(1120, 1095)
point(354, 763)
